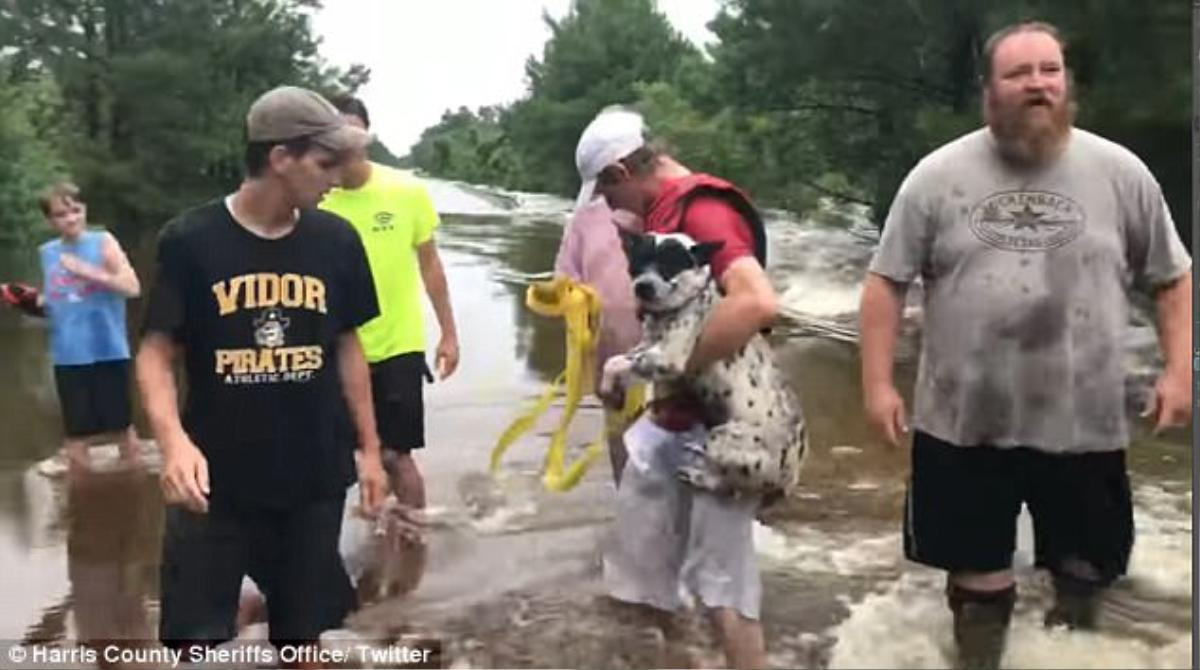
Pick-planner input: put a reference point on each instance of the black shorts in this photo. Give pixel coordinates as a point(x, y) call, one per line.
point(292, 556)
point(94, 397)
point(962, 505)
point(397, 389)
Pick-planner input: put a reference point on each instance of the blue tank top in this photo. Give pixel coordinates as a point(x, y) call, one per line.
point(87, 320)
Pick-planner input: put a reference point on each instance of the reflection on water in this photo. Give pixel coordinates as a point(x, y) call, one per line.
point(517, 250)
point(512, 571)
point(93, 540)
point(113, 544)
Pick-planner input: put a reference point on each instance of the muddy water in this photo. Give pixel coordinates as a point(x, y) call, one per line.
point(511, 576)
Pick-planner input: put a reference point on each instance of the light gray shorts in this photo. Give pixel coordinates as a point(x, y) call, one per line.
point(672, 542)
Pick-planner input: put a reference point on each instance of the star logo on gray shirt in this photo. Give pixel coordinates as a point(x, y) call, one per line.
point(1026, 219)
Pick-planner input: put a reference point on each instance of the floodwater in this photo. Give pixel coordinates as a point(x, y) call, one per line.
point(511, 575)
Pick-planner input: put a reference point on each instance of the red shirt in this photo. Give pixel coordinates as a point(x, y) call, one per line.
point(707, 219)
point(710, 219)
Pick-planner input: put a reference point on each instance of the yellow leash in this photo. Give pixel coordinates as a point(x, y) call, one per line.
point(579, 306)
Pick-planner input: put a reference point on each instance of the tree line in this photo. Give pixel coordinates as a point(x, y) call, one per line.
point(142, 101)
point(800, 100)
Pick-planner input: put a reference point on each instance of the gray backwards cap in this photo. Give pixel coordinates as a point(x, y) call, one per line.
point(290, 112)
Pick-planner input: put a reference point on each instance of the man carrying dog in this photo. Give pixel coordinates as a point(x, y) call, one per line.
point(1027, 234)
point(666, 532)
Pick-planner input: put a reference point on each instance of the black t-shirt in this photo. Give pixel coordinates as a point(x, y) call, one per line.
point(259, 322)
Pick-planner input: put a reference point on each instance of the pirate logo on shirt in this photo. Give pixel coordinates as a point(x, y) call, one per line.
point(269, 327)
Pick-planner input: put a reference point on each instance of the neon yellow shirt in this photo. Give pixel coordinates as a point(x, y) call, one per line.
point(393, 215)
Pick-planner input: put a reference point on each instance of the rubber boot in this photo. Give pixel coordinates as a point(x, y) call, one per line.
point(981, 621)
point(1075, 603)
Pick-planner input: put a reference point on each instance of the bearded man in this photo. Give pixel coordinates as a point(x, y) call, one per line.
point(1028, 235)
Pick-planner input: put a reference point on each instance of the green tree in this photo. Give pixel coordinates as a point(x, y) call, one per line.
point(596, 56)
point(861, 77)
point(804, 99)
point(465, 145)
point(879, 84)
point(158, 90)
point(29, 154)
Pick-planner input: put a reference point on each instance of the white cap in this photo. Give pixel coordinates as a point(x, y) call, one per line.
point(615, 133)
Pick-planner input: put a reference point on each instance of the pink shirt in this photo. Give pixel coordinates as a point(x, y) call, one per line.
point(591, 253)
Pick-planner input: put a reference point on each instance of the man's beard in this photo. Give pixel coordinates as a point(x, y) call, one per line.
point(1028, 137)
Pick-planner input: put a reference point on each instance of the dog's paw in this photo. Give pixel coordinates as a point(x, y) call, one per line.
point(700, 477)
point(653, 363)
point(772, 496)
point(696, 450)
point(616, 374)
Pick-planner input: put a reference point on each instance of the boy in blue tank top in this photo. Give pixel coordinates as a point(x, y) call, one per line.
point(86, 279)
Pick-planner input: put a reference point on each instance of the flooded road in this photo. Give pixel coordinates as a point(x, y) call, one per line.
point(512, 572)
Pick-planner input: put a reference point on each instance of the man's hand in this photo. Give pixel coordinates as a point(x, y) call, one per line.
point(446, 361)
point(885, 411)
point(81, 268)
point(613, 399)
point(614, 379)
point(1173, 390)
point(433, 276)
point(184, 476)
point(401, 524)
point(1172, 401)
point(372, 482)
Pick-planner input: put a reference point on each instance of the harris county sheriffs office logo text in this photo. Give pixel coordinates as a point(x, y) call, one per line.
point(1027, 220)
point(273, 361)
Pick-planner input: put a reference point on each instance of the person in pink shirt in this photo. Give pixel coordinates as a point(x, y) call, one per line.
point(591, 253)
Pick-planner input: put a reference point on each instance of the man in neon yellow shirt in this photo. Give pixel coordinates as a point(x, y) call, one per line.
point(394, 216)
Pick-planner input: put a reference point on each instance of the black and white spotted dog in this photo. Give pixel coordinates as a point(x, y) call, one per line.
point(756, 439)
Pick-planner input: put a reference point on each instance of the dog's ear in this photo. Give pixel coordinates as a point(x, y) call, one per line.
point(632, 242)
point(704, 251)
point(628, 240)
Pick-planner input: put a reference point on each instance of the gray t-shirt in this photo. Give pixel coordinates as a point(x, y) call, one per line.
point(1026, 276)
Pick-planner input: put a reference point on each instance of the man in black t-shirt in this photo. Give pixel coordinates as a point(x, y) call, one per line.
point(262, 294)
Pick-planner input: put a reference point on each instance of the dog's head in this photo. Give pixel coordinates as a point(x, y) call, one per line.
point(668, 271)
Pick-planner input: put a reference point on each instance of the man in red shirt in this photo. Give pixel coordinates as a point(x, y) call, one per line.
point(699, 540)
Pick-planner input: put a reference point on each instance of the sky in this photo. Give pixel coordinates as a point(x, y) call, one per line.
point(429, 56)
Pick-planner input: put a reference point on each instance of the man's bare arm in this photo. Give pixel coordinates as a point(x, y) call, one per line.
point(156, 382)
point(185, 470)
point(436, 287)
point(749, 305)
point(1174, 302)
point(115, 273)
point(1173, 391)
point(356, 387)
point(879, 327)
